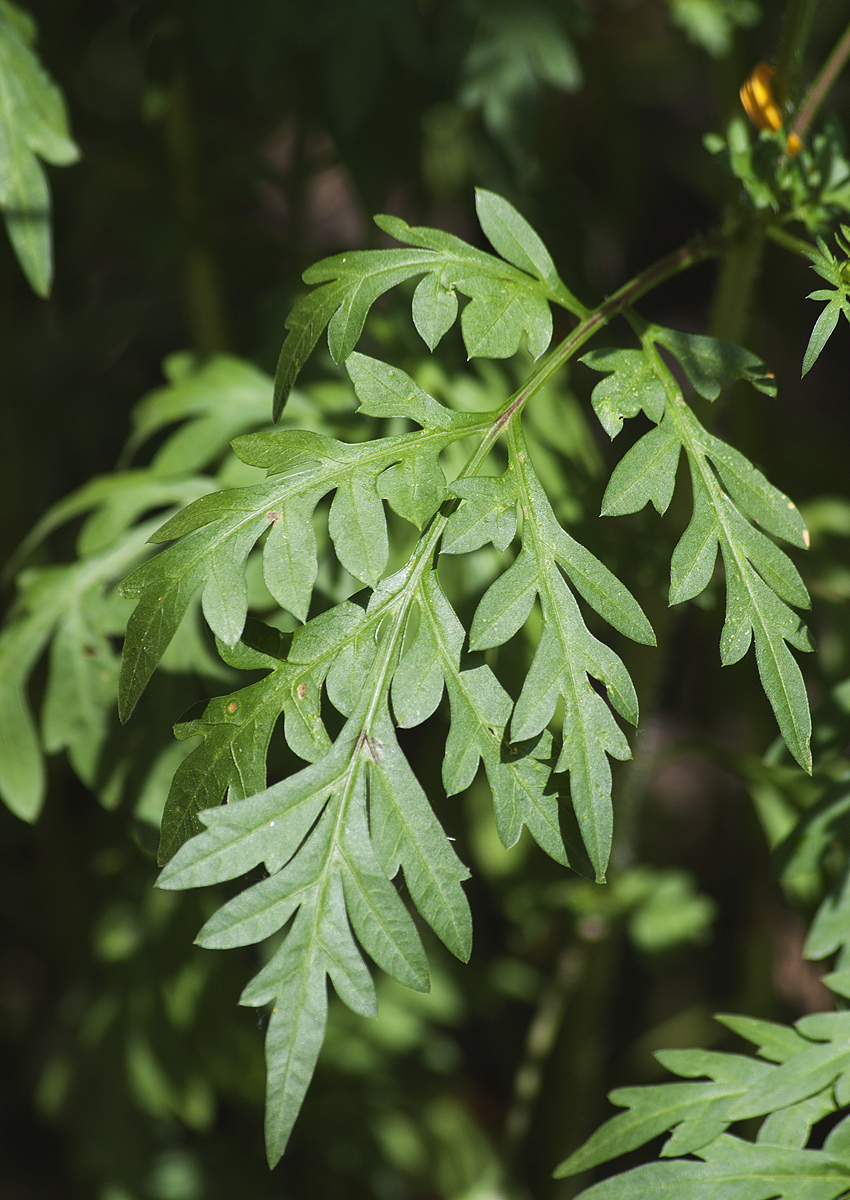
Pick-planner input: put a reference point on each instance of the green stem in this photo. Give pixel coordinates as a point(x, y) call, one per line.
point(539, 1043)
point(789, 242)
point(696, 251)
point(796, 27)
point(822, 85)
point(736, 280)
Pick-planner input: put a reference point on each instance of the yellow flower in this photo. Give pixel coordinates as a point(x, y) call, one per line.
point(761, 107)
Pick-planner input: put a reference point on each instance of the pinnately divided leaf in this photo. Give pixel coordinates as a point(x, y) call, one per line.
point(735, 508)
point(217, 533)
point(509, 297)
point(351, 817)
point(332, 836)
point(732, 1169)
point(567, 655)
point(800, 1078)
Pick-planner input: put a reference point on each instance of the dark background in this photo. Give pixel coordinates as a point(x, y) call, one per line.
point(224, 148)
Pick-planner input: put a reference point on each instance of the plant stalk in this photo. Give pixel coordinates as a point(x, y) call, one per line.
point(822, 85)
point(689, 255)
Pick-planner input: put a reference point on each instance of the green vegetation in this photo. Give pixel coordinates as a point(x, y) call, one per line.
point(417, 632)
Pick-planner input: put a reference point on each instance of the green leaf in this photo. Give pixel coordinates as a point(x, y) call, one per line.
point(512, 55)
point(758, 498)
point(499, 314)
point(434, 308)
point(699, 1112)
point(692, 564)
point(513, 238)
point(759, 577)
point(294, 1038)
point(646, 472)
point(734, 1169)
point(823, 329)
point(80, 695)
point(488, 514)
point(631, 386)
point(817, 829)
point(417, 686)
point(385, 391)
point(213, 403)
point(813, 1068)
point(803, 1088)
point(66, 604)
point(334, 872)
point(567, 654)
point(600, 588)
point(831, 925)
point(32, 123)
point(218, 532)
point(415, 488)
point(519, 776)
point(358, 527)
point(290, 563)
point(237, 728)
point(825, 264)
point(792, 1126)
point(329, 857)
point(406, 833)
point(507, 302)
point(709, 362)
point(306, 323)
point(25, 201)
point(753, 609)
point(22, 775)
point(506, 604)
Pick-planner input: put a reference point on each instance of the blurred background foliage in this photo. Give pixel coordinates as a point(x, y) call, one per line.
point(223, 148)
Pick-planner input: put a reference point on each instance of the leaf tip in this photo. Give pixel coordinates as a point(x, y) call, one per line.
point(483, 194)
point(165, 881)
point(282, 388)
point(274, 1154)
point(126, 707)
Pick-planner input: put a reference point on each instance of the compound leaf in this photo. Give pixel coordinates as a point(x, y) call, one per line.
point(509, 297)
point(218, 532)
point(797, 1086)
point(733, 1169)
